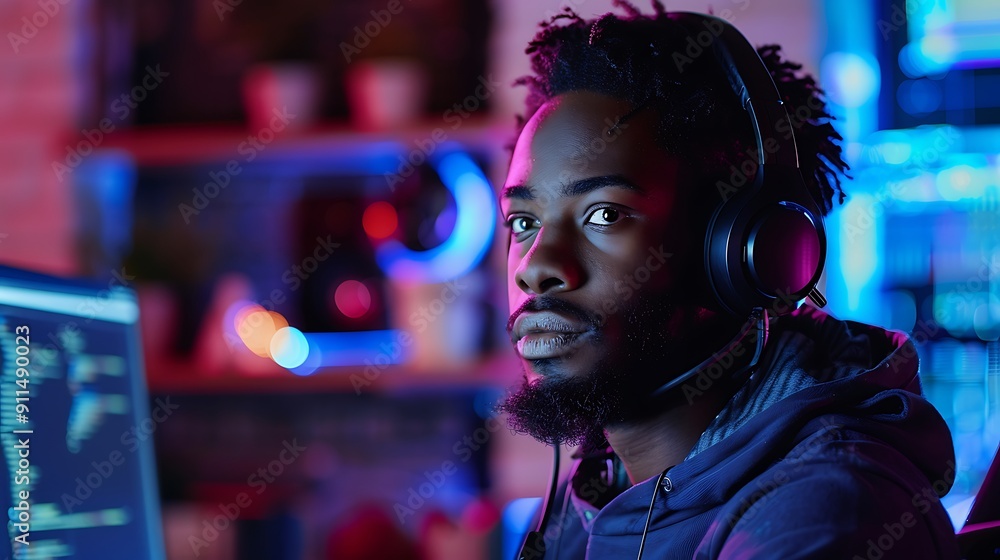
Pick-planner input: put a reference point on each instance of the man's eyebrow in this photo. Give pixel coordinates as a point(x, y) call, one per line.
point(520, 192)
point(584, 186)
point(576, 188)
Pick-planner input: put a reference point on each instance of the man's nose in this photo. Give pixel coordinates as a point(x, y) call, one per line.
point(550, 265)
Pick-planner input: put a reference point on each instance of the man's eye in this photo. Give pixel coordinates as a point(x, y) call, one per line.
point(603, 216)
point(521, 224)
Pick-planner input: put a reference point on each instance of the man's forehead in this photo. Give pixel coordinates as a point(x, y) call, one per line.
point(574, 130)
point(587, 117)
point(582, 134)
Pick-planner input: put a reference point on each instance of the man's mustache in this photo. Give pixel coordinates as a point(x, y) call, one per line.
point(550, 303)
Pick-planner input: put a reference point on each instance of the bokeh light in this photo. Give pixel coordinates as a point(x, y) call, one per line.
point(256, 326)
point(289, 347)
point(918, 97)
point(380, 220)
point(353, 299)
point(852, 79)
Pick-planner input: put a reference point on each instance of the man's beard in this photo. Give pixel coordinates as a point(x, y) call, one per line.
point(575, 410)
point(567, 410)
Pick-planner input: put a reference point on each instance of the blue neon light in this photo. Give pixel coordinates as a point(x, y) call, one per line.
point(945, 34)
point(375, 348)
point(469, 240)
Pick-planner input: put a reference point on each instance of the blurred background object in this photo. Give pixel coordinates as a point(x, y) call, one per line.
point(303, 195)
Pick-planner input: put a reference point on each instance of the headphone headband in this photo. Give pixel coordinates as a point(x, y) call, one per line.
point(751, 81)
point(765, 246)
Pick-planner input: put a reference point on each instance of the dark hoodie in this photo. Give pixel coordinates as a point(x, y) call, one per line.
point(830, 450)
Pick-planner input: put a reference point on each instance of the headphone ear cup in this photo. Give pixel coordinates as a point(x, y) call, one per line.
point(725, 248)
point(784, 252)
point(765, 247)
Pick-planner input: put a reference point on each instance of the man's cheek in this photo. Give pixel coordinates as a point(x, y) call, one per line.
point(514, 296)
point(513, 291)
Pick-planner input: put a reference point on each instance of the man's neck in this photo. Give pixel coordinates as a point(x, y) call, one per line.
point(648, 447)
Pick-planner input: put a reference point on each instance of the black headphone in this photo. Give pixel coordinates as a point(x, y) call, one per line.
point(765, 246)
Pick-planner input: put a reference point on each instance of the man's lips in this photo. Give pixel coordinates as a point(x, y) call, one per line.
point(546, 334)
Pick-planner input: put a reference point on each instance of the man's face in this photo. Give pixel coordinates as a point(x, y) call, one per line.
point(598, 246)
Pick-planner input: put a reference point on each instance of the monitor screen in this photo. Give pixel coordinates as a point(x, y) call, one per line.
point(76, 422)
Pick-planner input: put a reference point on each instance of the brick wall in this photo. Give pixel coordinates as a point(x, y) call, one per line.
point(42, 82)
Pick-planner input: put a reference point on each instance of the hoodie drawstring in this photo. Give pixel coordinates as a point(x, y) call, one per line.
point(667, 486)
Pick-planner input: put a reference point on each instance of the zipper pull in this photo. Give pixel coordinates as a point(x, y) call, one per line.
point(667, 484)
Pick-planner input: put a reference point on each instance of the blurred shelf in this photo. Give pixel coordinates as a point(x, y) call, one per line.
point(495, 371)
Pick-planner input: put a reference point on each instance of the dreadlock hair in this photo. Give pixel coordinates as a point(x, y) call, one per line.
point(641, 59)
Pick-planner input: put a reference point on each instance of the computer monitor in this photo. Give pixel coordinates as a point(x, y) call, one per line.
point(75, 422)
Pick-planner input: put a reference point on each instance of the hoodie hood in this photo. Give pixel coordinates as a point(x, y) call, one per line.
point(819, 380)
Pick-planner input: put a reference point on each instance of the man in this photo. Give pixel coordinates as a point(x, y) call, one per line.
point(799, 436)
